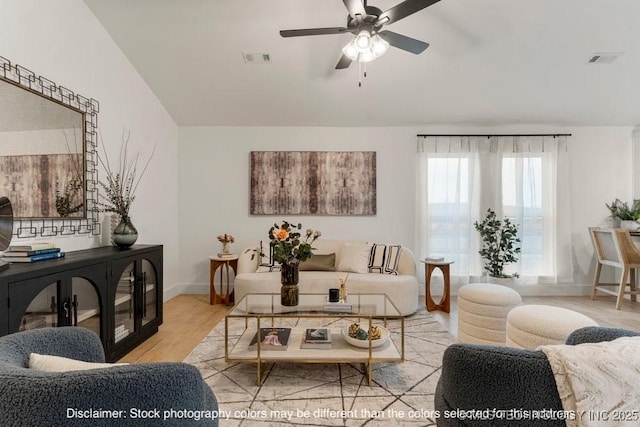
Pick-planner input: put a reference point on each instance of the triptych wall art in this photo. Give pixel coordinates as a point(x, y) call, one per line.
point(313, 183)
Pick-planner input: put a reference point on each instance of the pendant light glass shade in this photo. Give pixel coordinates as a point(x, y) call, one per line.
point(367, 56)
point(379, 45)
point(363, 41)
point(350, 51)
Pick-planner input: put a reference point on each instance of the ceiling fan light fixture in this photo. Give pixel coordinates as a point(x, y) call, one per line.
point(367, 56)
point(363, 41)
point(365, 22)
point(379, 45)
point(350, 51)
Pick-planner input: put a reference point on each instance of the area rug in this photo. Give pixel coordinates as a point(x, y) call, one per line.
point(328, 394)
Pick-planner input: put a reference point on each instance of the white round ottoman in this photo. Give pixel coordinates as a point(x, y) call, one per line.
point(530, 326)
point(482, 312)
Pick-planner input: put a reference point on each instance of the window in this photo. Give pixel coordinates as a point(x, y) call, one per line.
point(460, 177)
point(524, 188)
point(449, 202)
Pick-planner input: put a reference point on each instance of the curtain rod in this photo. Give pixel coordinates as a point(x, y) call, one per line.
point(489, 136)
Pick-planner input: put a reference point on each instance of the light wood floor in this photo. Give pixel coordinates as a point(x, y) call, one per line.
point(189, 318)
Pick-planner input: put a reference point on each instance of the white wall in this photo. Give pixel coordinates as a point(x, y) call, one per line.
point(63, 41)
point(636, 162)
point(601, 171)
point(214, 186)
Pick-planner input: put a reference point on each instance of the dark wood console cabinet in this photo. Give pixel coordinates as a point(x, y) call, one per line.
point(115, 292)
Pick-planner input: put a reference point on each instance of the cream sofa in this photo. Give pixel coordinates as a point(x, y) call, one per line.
point(402, 289)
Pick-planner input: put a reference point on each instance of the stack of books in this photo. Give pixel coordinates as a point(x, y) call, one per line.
point(226, 255)
point(32, 252)
point(338, 307)
point(316, 339)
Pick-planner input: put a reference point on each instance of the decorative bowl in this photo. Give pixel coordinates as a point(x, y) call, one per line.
point(365, 343)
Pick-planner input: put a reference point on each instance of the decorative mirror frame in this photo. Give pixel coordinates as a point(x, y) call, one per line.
point(46, 227)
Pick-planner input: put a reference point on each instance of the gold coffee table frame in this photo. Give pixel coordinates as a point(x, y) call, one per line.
point(266, 307)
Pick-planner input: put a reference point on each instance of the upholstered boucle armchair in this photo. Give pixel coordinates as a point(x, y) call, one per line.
point(29, 397)
point(483, 378)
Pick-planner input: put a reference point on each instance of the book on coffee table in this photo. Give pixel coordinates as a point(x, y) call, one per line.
point(271, 339)
point(315, 346)
point(316, 339)
point(320, 335)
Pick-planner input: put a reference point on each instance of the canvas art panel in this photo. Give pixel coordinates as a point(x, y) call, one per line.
point(32, 182)
point(313, 183)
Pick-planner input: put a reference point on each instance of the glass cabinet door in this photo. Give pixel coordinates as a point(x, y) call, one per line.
point(125, 304)
point(149, 283)
point(85, 303)
point(42, 311)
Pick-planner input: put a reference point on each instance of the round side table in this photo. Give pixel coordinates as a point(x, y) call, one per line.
point(216, 262)
point(445, 301)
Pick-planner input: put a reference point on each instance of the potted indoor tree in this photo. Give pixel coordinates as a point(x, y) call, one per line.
point(500, 244)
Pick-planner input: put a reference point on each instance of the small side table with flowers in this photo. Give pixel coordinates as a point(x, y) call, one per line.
point(224, 264)
point(223, 260)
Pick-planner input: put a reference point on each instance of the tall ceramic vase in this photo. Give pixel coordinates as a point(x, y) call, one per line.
point(125, 234)
point(289, 280)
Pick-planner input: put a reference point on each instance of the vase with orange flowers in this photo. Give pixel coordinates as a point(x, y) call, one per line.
point(289, 249)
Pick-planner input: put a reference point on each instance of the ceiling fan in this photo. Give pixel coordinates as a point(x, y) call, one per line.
point(366, 23)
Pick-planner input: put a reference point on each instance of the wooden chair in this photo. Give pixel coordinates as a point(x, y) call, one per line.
point(614, 247)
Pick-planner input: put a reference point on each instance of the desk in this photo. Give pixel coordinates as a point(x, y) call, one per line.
point(225, 297)
point(445, 301)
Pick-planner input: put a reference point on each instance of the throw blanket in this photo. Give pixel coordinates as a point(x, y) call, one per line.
point(600, 382)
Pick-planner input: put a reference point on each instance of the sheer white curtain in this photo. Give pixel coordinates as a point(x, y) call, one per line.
point(524, 178)
point(448, 200)
point(534, 193)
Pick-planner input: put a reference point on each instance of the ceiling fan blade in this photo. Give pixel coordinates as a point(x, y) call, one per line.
point(404, 42)
point(355, 7)
point(344, 62)
point(403, 10)
point(313, 31)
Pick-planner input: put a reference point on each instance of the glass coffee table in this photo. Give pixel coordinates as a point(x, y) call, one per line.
point(255, 311)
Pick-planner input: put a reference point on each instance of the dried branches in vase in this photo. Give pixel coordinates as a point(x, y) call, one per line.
point(69, 188)
point(120, 188)
point(66, 199)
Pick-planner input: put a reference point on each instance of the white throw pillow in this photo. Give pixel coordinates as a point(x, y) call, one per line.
point(355, 258)
point(48, 363)
point(392, 259)
point(377, 257)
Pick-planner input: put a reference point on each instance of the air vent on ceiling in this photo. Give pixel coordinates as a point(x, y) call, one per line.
point(603, 57)
point(256, 58)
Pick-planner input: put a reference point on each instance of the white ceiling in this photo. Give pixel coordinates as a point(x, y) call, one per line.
point(490, 62)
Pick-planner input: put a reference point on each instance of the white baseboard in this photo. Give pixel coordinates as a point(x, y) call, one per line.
point(185, 288)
